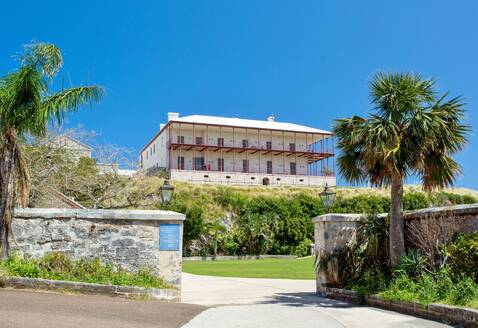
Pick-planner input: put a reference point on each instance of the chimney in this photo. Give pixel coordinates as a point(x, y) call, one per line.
point(271, 118)
point(161, 126)
point(172, 116)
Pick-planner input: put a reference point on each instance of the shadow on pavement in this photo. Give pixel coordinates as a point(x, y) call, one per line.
point(305, 299)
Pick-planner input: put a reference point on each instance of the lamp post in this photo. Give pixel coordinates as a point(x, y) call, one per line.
point(327, 196)
point(166, 192)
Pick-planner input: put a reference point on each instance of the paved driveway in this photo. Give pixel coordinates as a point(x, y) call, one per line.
point(276, 303)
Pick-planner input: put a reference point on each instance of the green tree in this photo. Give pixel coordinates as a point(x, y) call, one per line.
point(27, 107)
point(412, 131)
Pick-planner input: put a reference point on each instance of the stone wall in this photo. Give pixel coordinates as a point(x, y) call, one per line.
point(333, 231)
point(125, 238)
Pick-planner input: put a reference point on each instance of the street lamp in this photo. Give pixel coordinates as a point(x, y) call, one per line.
point(166, 192)
point(327, 196)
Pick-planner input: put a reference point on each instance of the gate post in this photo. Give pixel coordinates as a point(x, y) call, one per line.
point(332, 231)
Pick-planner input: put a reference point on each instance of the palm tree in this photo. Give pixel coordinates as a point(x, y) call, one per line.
point(412, 132)
point(27, 107)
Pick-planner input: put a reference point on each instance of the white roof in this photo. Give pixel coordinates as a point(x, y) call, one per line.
point(245, 123)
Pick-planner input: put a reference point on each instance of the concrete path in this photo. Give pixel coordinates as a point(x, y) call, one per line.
point(248, 303)
point(208, 290)
point(24, 309)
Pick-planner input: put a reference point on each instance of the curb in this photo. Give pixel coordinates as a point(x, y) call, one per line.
point(448, 314)
point(239, 257)
point(168, 295)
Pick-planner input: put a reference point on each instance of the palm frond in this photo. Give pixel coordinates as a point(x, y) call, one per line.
point(45, 55)
point(69, 100)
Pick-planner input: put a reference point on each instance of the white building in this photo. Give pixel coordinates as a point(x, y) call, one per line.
point(211, 149)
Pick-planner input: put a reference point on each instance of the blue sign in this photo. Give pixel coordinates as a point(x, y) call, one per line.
point(169, 237)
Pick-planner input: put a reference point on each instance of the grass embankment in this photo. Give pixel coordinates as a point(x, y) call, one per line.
point(56, 266)
point(301, 268)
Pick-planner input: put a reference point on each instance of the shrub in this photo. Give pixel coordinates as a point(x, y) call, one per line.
point(372, 281)
point(415, 201)
point(303, 249)
point(463, 255)
point(362, 204)
point(464, 291)
point(57, 266)
point(411, 264)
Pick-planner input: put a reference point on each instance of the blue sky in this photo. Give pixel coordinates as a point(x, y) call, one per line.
point(307, 62)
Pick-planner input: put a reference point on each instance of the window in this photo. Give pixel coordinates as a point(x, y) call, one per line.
point(180, 162)
point(293, 170)
point(269, 167)
point(220, 164)
point(198, 140)
point(180, 139)
point(220, 142)
point(292, 146)
point(269, 145)
point(154, 149)
point(245, 143)
point(199, 163)
point(245, 166)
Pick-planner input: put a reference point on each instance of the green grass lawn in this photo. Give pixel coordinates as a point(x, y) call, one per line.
point(301, 268)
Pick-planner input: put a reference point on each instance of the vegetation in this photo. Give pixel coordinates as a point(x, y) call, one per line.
point(56, 266)
point(27, 107)
point(256, 222)
point(418, 277)
point(302, 268)
point(413, 131)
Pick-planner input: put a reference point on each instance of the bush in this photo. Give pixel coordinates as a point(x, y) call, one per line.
point(463, 255)
point(372, 281)
point(303, 249)
point(464, 291)
point(411, 264)
point(415, 201)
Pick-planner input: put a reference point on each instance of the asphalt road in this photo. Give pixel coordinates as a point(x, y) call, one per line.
point(25, 309)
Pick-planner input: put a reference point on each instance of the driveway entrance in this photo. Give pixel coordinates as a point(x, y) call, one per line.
point(276, 303)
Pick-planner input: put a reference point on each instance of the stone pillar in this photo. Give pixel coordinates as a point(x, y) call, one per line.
point(332, 231)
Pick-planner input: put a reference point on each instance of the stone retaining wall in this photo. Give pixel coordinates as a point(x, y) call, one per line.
point(129, 239)
point(464, 317)
point(333, 231)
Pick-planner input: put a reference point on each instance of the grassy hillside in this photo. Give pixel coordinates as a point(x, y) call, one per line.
point(143, 190)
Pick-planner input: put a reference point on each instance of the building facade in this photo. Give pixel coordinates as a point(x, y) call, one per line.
point(209, 149)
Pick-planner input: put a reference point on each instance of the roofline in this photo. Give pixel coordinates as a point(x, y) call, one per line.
point(77, 141)
point(227, 126)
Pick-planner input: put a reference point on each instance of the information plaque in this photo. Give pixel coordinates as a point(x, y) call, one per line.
point(169, 237)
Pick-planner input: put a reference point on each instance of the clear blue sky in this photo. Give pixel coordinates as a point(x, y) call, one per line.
point(306, 61)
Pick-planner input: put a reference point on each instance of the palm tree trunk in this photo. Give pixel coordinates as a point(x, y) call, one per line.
point(6, 183)
point(396, 238)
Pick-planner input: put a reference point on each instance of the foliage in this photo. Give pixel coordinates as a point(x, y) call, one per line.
point(243, 216)
point(27, 107)
point(462, 255)
point(362, 204)
point(415, 201)
point(57, 266)
point(411, 264)
point(432, 287)
point(303, 249)
point(372, 281)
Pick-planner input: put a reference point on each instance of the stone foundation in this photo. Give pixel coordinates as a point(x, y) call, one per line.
point(125, 238)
